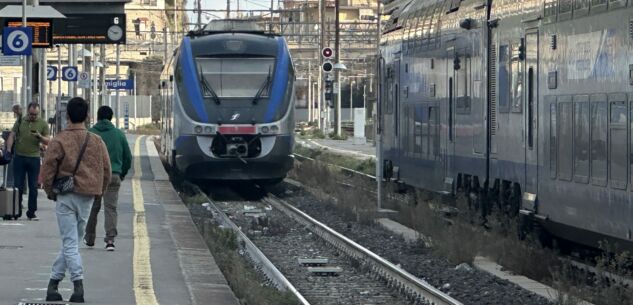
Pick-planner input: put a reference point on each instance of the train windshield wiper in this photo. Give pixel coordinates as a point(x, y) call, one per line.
point(263, 88)
point(208, 90)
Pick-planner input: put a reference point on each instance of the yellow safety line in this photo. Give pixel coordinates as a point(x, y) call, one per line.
point(143, 285)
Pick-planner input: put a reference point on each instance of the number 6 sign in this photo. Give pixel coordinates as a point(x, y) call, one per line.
point(17, 41)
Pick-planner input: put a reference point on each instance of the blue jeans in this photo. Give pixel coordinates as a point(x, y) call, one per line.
point(72, 212)
point(28, 167)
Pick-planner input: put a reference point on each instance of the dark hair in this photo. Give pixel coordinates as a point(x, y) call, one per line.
point(33, 106)
point(77, 110)
point(104, 113)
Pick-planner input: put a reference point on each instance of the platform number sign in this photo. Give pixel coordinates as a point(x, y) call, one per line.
point(69, 74)
point(17, 41)
point(51, 73)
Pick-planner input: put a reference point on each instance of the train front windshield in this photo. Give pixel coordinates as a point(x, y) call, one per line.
point(224, 79)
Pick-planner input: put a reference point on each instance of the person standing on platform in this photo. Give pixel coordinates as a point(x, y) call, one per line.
point(75, 170)
point(27, 134)
point(121, 161)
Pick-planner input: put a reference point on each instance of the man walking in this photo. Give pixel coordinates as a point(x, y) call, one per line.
point(120, 161)
point(28, 134)
point(79, 156)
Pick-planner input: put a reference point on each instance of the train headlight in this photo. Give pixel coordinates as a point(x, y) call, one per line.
point(208, 129)
point(198, 129)
point(274, 128)
point(265, 129)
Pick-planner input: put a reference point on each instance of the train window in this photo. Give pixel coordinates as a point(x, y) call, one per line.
point(581, 4)
point(504, 79)
point(236, 77)
point(418, 121)
point(551, 8)
point(581, 138)
point(552, 138)
point(516, 90)
point(463, 92)
point(565, 139)
point(564, 6)
point(599, 123)
point(617, 142)
point(389, 99)
point(598, 2)
point(434, 132)
point(451, 96)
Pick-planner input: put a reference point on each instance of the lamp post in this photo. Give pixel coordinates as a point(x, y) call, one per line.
point(338, 67)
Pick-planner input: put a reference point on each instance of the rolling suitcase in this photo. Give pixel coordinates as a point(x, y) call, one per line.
point(9, 201)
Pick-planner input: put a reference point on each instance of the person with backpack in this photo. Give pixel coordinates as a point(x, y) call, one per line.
point(76, 169)
point(120, 161)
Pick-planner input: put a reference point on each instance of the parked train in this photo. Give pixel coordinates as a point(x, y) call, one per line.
point(228, 104)
point(526, 103)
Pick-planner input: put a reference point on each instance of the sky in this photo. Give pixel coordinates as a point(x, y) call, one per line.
point(221, 5)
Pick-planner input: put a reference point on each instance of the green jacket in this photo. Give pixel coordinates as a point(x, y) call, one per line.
point(118, 148)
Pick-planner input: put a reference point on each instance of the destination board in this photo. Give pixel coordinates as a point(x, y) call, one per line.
point(42, 30)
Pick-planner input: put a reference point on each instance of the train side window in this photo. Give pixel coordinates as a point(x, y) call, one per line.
point(516, 90)
point(390, 94)
point(618, 150)
point(504, 79)
point(581, 8)
point(599, 125)
point(417, 129)
point(550, 8)
point(565, 6)
point(423, 119)
point(434, 132)
point(581, 138)
point(553, 143)
point(565, 138)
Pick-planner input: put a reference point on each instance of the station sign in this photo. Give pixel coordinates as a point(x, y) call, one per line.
point(90, 29)
point(17, 41)
point(122, 84)
point(69, 74)
point(84, 80)
point(51, 73)
point(42, 30)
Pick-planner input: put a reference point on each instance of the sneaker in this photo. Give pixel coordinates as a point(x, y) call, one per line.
point(109, 246)
point(33, 217)
point(92, 244)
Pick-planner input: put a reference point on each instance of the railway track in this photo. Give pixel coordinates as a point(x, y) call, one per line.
point(315, 263)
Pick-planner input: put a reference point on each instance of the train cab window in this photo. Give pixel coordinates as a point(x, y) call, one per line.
point(236, 77)
point(565, 138)
point(618, 156)
point(516, 90)
point(599, 131)
point(504, 79)
point(581, 138)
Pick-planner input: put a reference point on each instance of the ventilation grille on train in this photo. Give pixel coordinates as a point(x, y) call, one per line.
point(493, 89)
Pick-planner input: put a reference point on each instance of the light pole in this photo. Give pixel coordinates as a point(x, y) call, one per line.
point(351, 100)
point(338, 67)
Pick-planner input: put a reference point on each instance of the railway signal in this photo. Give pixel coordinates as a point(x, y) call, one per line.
point(327, 53)
point(327, 67)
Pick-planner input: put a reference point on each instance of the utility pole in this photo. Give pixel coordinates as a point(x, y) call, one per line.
point(102, 51)
point(118, 98)
point(200, 14)
point(337, 108)
point(310, 91)
point(270, 26)
point(228, 9)
point(25, 65)
point(322, 122)
point(378, 136)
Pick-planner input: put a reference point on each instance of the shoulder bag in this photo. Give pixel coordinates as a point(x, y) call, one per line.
point(65, 185)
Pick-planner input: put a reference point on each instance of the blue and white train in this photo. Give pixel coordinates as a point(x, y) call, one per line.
point(228, 104)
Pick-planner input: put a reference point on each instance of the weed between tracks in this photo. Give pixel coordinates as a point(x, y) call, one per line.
point(459, 240)
point(245, 281)
point(367, 166)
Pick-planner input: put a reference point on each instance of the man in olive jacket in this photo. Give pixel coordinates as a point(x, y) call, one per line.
point(121, 161)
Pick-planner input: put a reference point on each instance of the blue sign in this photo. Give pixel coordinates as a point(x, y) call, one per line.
point(69, 74)
point(51, 73)
point(122, 84)
point(17, 41)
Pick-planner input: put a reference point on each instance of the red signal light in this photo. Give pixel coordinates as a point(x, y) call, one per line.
point(327, 52)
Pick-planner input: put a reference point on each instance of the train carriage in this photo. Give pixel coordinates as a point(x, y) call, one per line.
point(228, 96)
point(526, 103)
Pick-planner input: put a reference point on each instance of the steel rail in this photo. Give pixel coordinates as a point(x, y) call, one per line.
point(256, 255)
point(414, 288)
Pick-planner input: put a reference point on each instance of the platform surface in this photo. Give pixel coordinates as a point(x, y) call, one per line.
point(181, 269)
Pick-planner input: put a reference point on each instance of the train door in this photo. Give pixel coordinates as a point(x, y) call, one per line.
point(390, 119)
point(453, 66)
point(531, 114)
